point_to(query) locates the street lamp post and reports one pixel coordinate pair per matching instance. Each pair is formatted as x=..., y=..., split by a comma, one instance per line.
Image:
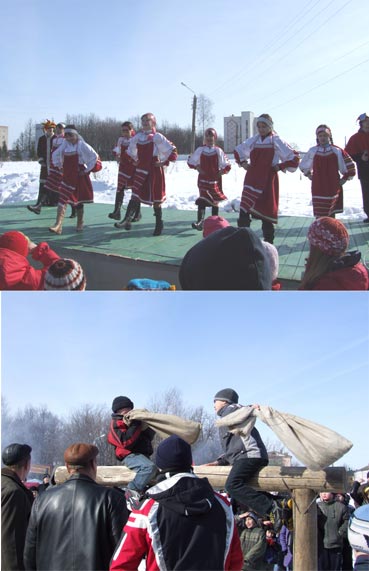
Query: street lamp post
x=194, y=104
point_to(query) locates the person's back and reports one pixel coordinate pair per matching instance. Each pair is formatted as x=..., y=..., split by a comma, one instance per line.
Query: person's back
x=183, y=524
x=16, y=504
x=75, y=526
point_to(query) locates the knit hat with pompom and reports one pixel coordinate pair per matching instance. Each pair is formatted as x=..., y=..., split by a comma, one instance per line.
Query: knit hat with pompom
x=329, y=235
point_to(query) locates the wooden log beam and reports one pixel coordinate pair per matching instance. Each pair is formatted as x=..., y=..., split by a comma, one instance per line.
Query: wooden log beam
x=269, y=479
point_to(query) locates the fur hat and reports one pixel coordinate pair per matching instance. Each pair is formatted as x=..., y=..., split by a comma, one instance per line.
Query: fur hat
x=174, y=455
x=65, y=274
x=228, y=395
x=47, y=124
x=15, y=453
x=121, y=402
x=358, y=531
x=329, y=235
x=213, y=223
x=15, y=241
x=80, y=454
x=230, y=259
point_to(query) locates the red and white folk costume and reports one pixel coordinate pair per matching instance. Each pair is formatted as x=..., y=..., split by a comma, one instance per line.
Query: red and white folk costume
x=126, y=167
x=260, y=195
x=323, y=164
x=211, y=162
x=147, y=150
x=55, y=175
x=77, y=160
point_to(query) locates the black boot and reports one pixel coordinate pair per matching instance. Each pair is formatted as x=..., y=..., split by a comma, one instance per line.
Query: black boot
x=200, y=219
x=268, y=231
x=244, y=220
x=115, y=215
x=126, y=223
x=137, y=217
x=41, y=200
x=74, y=211
x=215, y=210
x=159, y=222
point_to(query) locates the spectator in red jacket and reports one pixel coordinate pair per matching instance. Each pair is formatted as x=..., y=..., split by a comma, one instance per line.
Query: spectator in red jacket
x=183, y=523
x=329, y=265
x=16, y=273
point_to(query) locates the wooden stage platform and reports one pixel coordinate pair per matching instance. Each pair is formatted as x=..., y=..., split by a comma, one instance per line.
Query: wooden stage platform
x=112, y=257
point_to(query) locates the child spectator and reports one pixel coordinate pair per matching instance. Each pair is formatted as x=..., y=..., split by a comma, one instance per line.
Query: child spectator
x=329, y=266
x=133, y=446
x=262, y=156
x=286, y=541
x=65, y=274
x=125, y=173
x=332, y=528
x=253, y=542
x=16, y=273
x=211, y=163
x=273, y=550
x=212, y=224
x=358, y=148
x=323, y=165
x=229, y=259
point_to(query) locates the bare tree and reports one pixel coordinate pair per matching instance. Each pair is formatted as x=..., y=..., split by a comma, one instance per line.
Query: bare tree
x=207, y=447
x=204, y=115
x=90, y=424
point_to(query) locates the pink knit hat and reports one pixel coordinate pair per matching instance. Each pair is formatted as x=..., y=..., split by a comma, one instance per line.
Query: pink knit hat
x=15, y=241
x=329, y=235
x=212, y=224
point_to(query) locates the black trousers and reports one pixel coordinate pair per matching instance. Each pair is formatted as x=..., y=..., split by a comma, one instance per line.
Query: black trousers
x=365, y=192
x=237, y=485
x=330, y=559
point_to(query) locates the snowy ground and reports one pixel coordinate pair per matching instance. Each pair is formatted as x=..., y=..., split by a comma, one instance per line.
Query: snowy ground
x=19, y=182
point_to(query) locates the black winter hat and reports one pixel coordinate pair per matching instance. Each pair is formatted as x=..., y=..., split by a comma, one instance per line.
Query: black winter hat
x=228, y=395
x=228, y=259
x=121, y=402
x=15, y=453
x=174, y=455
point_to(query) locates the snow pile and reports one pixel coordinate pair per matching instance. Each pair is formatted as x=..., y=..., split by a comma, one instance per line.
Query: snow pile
x=19, y=183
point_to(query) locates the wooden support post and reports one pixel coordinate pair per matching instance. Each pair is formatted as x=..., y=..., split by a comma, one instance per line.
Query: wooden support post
x=305, y=542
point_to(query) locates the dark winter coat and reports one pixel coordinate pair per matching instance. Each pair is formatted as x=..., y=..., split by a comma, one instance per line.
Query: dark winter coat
x=357, y=144
x=347, y=273
x=75, y=526
x=253, y=544
x=16, y=504
x=183, y=525
x=332, y=524
x=236, y=446
x=127, y=439
x=16, y=273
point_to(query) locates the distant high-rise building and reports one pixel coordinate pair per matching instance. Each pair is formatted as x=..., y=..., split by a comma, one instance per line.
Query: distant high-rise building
x=4, y=136
x=238, y=129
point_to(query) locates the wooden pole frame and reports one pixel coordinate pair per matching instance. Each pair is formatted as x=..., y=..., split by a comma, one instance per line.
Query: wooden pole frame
x=301, y=483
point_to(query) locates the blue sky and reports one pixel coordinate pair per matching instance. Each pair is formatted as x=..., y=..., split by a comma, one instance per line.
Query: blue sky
x=306, y=354
x=305, y=63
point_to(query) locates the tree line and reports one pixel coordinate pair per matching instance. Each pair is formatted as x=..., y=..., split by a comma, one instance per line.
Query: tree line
x=102, y=134
x=50, y=434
